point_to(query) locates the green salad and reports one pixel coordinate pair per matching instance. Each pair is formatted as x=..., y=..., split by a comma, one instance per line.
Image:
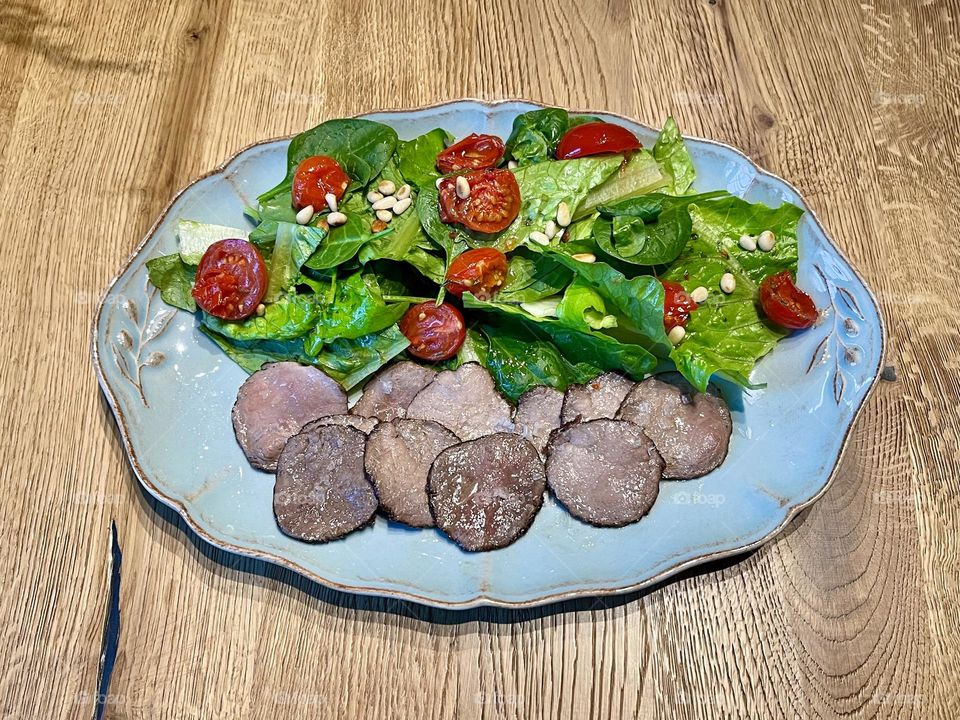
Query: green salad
x=564, y=251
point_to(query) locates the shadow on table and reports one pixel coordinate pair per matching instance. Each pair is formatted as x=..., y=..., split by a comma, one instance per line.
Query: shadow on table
x=250, y=569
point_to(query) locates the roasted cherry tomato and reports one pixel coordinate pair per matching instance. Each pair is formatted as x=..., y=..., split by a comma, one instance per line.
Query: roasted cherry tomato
x=435, y=332
x=314, y=178
x=231, y=279
x=474, y=152
x=596, y=138
x=481, y=271
x=786, y=304
x=677, y=305
x=493, y=203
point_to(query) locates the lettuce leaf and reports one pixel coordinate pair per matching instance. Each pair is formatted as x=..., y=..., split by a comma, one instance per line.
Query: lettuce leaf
x=727, y=334
x=293, y=246
x=356, y=309
x=417, y=158
x=174, y=279
x=292, y=316
x=673, y=157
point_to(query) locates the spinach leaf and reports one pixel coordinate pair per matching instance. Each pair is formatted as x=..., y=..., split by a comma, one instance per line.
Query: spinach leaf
x=292, y=316
x=640, y=175
x=535, y=134
x=357, y=309
x=350, y=361
x=430, y=266
x=405, y=234
x=674, y=159
x=452, y=239
x=252, y=354
x=174, y=279
x=532, y=276
x=577, y=345
x=344, y=241
x=362, y=147
x=417, y=158
x=727, y=333
x=519, y=360
x=294, y=244
x=647, y=230
x=583, y=307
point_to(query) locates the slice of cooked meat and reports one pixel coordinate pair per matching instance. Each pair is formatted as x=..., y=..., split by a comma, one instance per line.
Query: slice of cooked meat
x=464, y=400
x=275, y=402
x=599, y=398
x=605, y=472
x=398, y=459
x=322, y=492
x=690, y=429
x=485, y=493
x=538, y=414
x=357, y=422
x=391, y=391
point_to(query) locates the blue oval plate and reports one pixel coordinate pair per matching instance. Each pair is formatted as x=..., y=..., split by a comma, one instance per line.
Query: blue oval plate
x=171, y=391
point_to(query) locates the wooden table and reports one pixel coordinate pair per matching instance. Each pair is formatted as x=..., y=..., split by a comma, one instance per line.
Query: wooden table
x=107, y=108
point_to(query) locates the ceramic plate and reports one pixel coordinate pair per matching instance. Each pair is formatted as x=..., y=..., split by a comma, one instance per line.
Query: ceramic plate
x=171, y=391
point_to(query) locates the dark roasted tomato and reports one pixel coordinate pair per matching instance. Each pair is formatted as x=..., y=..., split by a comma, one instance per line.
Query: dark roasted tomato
x=596, y=138
x=231, y=279
x=314, y=178
x=435, y=332
x=677, y=305
x=474, y=152
x=481, y=271
x=493, y=203
x=786, y=304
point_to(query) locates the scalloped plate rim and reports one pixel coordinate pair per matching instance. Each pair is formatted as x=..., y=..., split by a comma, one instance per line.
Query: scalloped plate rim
x=480, y=599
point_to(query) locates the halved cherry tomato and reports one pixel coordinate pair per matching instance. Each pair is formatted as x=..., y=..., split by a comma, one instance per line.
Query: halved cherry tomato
x=435, y=332
x=314, y=178
x=493, y=203
x=481, y=271
x=786, y=304
x=231, y=279
x=677, y=305
x=596, y=138
x=474, y=152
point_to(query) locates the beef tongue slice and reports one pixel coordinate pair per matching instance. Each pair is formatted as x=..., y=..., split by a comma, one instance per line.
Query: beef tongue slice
x=464, y=400
x=599, y=398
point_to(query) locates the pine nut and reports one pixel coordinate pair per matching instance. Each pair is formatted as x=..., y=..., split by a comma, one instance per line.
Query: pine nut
x=539, y=237
x=728, y=283
x=559, y=236
x=676, y=335
x=261, y=309
x=305, y=215
x=336, y=218
x=699, y=295
x=331, y=201
x=550, y=229
x=563, y=215
x=403, y=192
x=584, y=257
x=387, y=187
x=463, y=188
x=439, y=182
x=766, y=241
x=748, y=243
x=385, y=204
x=401, y=206
x=373, y=196
x=384, y=216
x=512, y=165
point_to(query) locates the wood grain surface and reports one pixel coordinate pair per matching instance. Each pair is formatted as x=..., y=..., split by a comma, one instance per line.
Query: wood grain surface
x=107, y=108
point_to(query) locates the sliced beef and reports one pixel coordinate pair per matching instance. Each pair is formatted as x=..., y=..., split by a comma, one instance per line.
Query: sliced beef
x=322, y=492
x=464, y=400
x=538, y=414
x=605, y=472
x=398, y=459
x=690, y=429
x=599, y=398
x=391, y=391
x=485, y=493
x=275, y=402
x=357, y=422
